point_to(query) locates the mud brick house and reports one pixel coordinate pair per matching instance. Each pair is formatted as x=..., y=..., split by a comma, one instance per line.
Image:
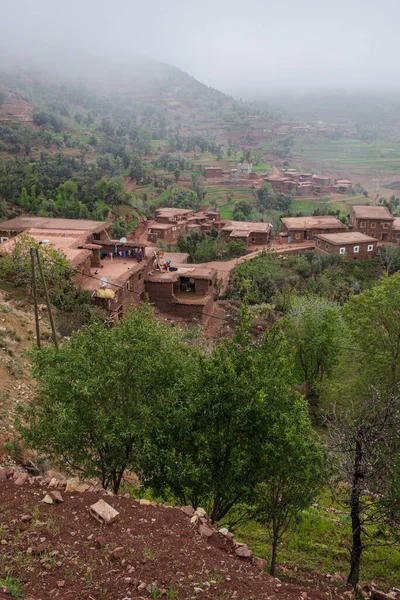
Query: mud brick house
x=166, y=232
x=281, y=184
x=212, y=172
x=321, y=185
x=244, y=168
x=173, y=215
x=78, y=240
x=396, y=231
x=372, y=220
x=249, y=233
x=352, y=245
x=298, y=229
x=107, y=268
x=188, y=292
x=341, y=186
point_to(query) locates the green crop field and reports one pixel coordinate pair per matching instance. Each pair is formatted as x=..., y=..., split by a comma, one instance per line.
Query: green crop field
x=344, y=153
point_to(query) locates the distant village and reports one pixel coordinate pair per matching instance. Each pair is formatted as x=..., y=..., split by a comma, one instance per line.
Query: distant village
x=118, y=273
x=291, y=181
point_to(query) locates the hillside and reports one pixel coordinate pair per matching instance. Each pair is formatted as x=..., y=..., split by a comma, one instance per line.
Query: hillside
x=59, y=550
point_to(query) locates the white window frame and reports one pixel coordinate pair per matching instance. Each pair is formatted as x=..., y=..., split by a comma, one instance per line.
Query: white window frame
x=356, y=249
x=3, y=239
x=342, y=250
x=174, y=229
x=370, y=247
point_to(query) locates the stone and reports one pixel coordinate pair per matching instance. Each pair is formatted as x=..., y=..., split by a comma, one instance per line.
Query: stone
x=200, y=512
x=205, y=531
x=53, y=482
x=118, y=552
x=243, y=551
x=74, y=485
x=103, y=512
x=61, y=583
x=144, y=502
x=4, y=542
x=260, y=563
x=57, y=497
x=38, y=550
x=21, y=479
x=224, y=531
x=4, y=473
x=194, y=519
x=142, y=586
x=379, y=595
x=48, y=499
x=188, y=510
x=100, y=541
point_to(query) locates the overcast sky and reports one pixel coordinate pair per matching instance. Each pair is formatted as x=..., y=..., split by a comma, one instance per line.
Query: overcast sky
x=234, y=45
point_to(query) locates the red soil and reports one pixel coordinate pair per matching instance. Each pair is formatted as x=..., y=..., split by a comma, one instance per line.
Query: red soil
x=64, y=553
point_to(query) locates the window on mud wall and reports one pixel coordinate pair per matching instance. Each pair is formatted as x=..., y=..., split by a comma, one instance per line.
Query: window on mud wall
x=362, y=224
x=342, y=251
x=96, y=236
x=356, y=249
x=370, y=247
x=385, y=225
x=373, y=225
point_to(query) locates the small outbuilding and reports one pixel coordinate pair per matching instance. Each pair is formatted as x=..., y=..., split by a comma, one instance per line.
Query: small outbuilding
x=352, y=245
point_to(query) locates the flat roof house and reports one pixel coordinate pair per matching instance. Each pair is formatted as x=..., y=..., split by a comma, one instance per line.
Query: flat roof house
x=168, y=215
x=250, y=233
x=352, y=245
x=299, y=229
x=372, y=220
x=187, y=292
x=396, y=231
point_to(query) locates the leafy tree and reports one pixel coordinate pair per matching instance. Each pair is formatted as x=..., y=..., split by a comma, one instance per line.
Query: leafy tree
x=373, y=358
x=314, y=327
x=99, y=394
x=215, y=445
x=177, y=174
x=295, y=475
x=364, y=440
x=389, y=255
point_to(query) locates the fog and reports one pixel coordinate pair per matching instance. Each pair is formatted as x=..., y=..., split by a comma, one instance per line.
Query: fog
x=238, y=47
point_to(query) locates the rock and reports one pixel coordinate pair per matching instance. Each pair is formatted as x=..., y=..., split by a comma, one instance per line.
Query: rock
x=38, y=550
x=200, y=512
x=26, y=518
x=188, y=510
x=224, y=531
x=118, y=552
x=379, y=595
x=144, y=502
x=243, y=551
x=48, y=499
x=3, y=542
x=5, y=473
x=56, y=495
x=194, y=519
x=22, y=478
x=260, y=563
x=103, y=512
x=61, y=583
x=53, y=482
x=141, y=586
x=100, y=541
x=205, y=531
x=73, y=485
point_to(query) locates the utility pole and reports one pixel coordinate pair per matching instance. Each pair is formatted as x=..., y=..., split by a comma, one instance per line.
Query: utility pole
x=46, y=293
x=35, y=297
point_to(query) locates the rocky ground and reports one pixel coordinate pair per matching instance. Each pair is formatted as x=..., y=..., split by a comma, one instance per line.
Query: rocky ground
x=51, y=546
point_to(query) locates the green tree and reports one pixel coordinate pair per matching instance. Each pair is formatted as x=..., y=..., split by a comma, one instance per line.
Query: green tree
x=98, y=395
x=214, y=447
x=314, y=327
x=177, y=174
x=295, y=474
x=389, y=255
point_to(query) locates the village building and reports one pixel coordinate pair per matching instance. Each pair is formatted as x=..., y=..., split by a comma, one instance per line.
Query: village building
x=111, y=270
x=249, y=233
x=321, y=185
x=372, y=220
x=165, y=232
x=173, y=215
x=352, y=245
x=281, y=184
x=187, y=292
x=341, y=186
x=299, y=229
x=212, y=172
x=244, y=168
x=396, y=231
